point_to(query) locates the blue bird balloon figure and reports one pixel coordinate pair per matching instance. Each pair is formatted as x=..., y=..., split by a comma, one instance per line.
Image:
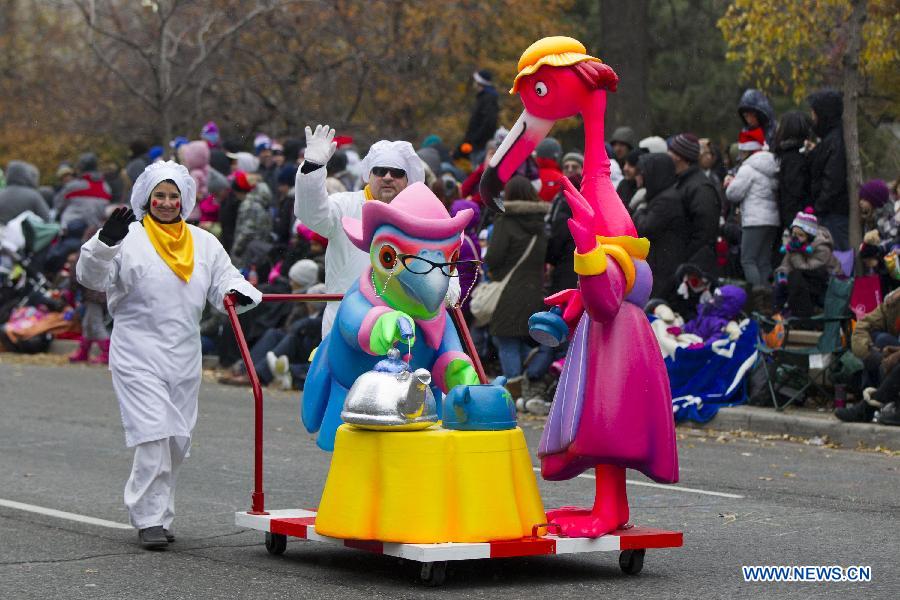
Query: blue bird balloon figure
x=413, y=244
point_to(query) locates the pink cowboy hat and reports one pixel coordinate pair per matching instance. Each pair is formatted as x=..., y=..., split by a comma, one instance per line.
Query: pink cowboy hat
x=416, y=211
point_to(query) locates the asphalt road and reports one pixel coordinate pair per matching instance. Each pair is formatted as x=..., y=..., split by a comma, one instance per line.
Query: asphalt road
x=61, y=447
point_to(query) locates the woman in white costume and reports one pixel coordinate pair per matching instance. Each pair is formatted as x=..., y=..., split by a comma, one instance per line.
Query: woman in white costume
x=158, y=273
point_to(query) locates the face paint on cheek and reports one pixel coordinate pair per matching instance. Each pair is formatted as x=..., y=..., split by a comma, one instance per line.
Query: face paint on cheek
x=155, y=203
x=178, y=205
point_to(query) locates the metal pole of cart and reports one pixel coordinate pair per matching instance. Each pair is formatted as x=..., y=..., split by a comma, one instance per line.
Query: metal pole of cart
x=257, y=503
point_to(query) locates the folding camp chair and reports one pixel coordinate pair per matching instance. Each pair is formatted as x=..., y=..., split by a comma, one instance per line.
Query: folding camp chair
x=789, y=370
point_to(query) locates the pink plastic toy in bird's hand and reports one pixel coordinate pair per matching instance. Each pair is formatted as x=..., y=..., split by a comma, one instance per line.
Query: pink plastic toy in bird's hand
x=613, y=407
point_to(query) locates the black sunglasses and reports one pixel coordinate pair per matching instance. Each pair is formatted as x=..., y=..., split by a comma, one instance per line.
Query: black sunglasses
x=382, y=171
x=423, y=266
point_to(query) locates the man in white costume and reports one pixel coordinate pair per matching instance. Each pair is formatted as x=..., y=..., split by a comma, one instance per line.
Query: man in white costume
x=387, y=168
x=158, y=273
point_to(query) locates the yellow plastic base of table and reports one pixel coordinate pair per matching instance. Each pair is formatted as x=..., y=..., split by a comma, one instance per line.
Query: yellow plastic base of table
x=431, y=486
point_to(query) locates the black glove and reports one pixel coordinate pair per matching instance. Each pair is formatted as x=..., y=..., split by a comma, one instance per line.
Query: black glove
x=240, y=298
x=116, y=227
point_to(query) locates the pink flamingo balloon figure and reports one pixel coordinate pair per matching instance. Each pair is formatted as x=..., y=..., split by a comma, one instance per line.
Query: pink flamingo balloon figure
x=613, y=407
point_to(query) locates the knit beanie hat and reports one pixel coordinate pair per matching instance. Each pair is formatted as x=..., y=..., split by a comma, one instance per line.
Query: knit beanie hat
x=634, y=156
x=261, y=142
x=687, y=146
x=178, y=142
x=210, y=133
x=304, y=273
x=875, y=192
x=654, y=143
x=549, y=148
x=574, y=157
x=752, y=140
x=807, y=222
x=483, y=77
x=624, y=135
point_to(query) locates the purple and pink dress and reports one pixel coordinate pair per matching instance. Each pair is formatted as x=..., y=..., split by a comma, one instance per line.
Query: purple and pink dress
x=613, y=404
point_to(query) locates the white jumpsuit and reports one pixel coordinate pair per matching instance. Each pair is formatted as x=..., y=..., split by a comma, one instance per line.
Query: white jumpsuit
x=155, y=355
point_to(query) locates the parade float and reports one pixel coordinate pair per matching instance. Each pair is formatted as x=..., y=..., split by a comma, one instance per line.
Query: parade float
x=428, y=462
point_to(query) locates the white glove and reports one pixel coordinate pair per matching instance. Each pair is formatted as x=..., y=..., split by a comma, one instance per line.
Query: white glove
x=320, y=145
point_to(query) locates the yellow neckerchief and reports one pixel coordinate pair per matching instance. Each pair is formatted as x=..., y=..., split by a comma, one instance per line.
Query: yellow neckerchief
x=174, y=244
x=368, y=193
x=624, y=249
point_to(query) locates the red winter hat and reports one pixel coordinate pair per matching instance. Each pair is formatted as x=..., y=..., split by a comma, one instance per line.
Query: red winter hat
x=241, y=182
x=343, y=140
x=752, y=139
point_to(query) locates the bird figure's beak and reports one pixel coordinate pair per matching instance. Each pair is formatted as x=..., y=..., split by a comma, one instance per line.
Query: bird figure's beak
x=429, y=290
x=520, y=142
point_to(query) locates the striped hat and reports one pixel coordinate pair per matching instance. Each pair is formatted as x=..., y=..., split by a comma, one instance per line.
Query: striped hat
x=687, y=146
x=807, y=222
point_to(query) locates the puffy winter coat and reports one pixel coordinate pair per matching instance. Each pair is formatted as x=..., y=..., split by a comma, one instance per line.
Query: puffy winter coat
x=828, y=160
x=524, y=293
x=793, y=180
x=702, y=208
x=755, y=188
x=20, y=193
x=84, y=198
x=663, y=222
x=822, y=256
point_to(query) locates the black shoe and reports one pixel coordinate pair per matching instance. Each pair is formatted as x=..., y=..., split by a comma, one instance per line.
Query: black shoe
x=890, y=414
x=856, y=413
x=170, y=535
x=153, y=538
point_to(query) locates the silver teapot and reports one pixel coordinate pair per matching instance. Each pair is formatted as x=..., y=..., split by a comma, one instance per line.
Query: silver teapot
x=391, y=397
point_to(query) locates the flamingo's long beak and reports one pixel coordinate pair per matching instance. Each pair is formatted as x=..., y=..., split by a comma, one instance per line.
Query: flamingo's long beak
x=520, y=142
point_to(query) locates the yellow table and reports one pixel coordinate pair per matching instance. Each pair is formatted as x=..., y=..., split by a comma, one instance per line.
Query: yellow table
x=429, y=486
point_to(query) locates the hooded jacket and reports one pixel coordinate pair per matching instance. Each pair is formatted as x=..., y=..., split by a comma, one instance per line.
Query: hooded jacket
x=755, y=188
x=663, y=221
x=756, y=101
x=524, y=293
x=828, y=160
x=20, y=193
x=822, y=256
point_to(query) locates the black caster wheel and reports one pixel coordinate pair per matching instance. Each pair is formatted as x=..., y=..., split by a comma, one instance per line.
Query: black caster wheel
x=631, y=561
x=433, y=573
x=276, y=543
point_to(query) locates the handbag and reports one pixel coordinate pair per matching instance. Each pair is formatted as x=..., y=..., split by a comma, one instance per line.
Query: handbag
x=487, y=294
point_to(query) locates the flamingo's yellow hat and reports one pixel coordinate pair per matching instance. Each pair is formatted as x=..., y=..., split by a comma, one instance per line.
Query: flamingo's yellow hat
x=556, y=51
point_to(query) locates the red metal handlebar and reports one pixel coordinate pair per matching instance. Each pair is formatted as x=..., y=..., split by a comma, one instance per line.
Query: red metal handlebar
x=257, y=497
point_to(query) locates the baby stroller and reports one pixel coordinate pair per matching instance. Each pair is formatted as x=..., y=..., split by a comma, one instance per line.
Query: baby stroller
x=30, y=309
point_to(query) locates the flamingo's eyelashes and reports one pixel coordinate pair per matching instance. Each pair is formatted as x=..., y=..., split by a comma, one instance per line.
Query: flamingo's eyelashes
x=540, y=88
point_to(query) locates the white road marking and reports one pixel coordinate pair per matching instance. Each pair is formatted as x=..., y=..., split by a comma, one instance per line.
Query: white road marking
x=61, y=514
x=664, y=486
